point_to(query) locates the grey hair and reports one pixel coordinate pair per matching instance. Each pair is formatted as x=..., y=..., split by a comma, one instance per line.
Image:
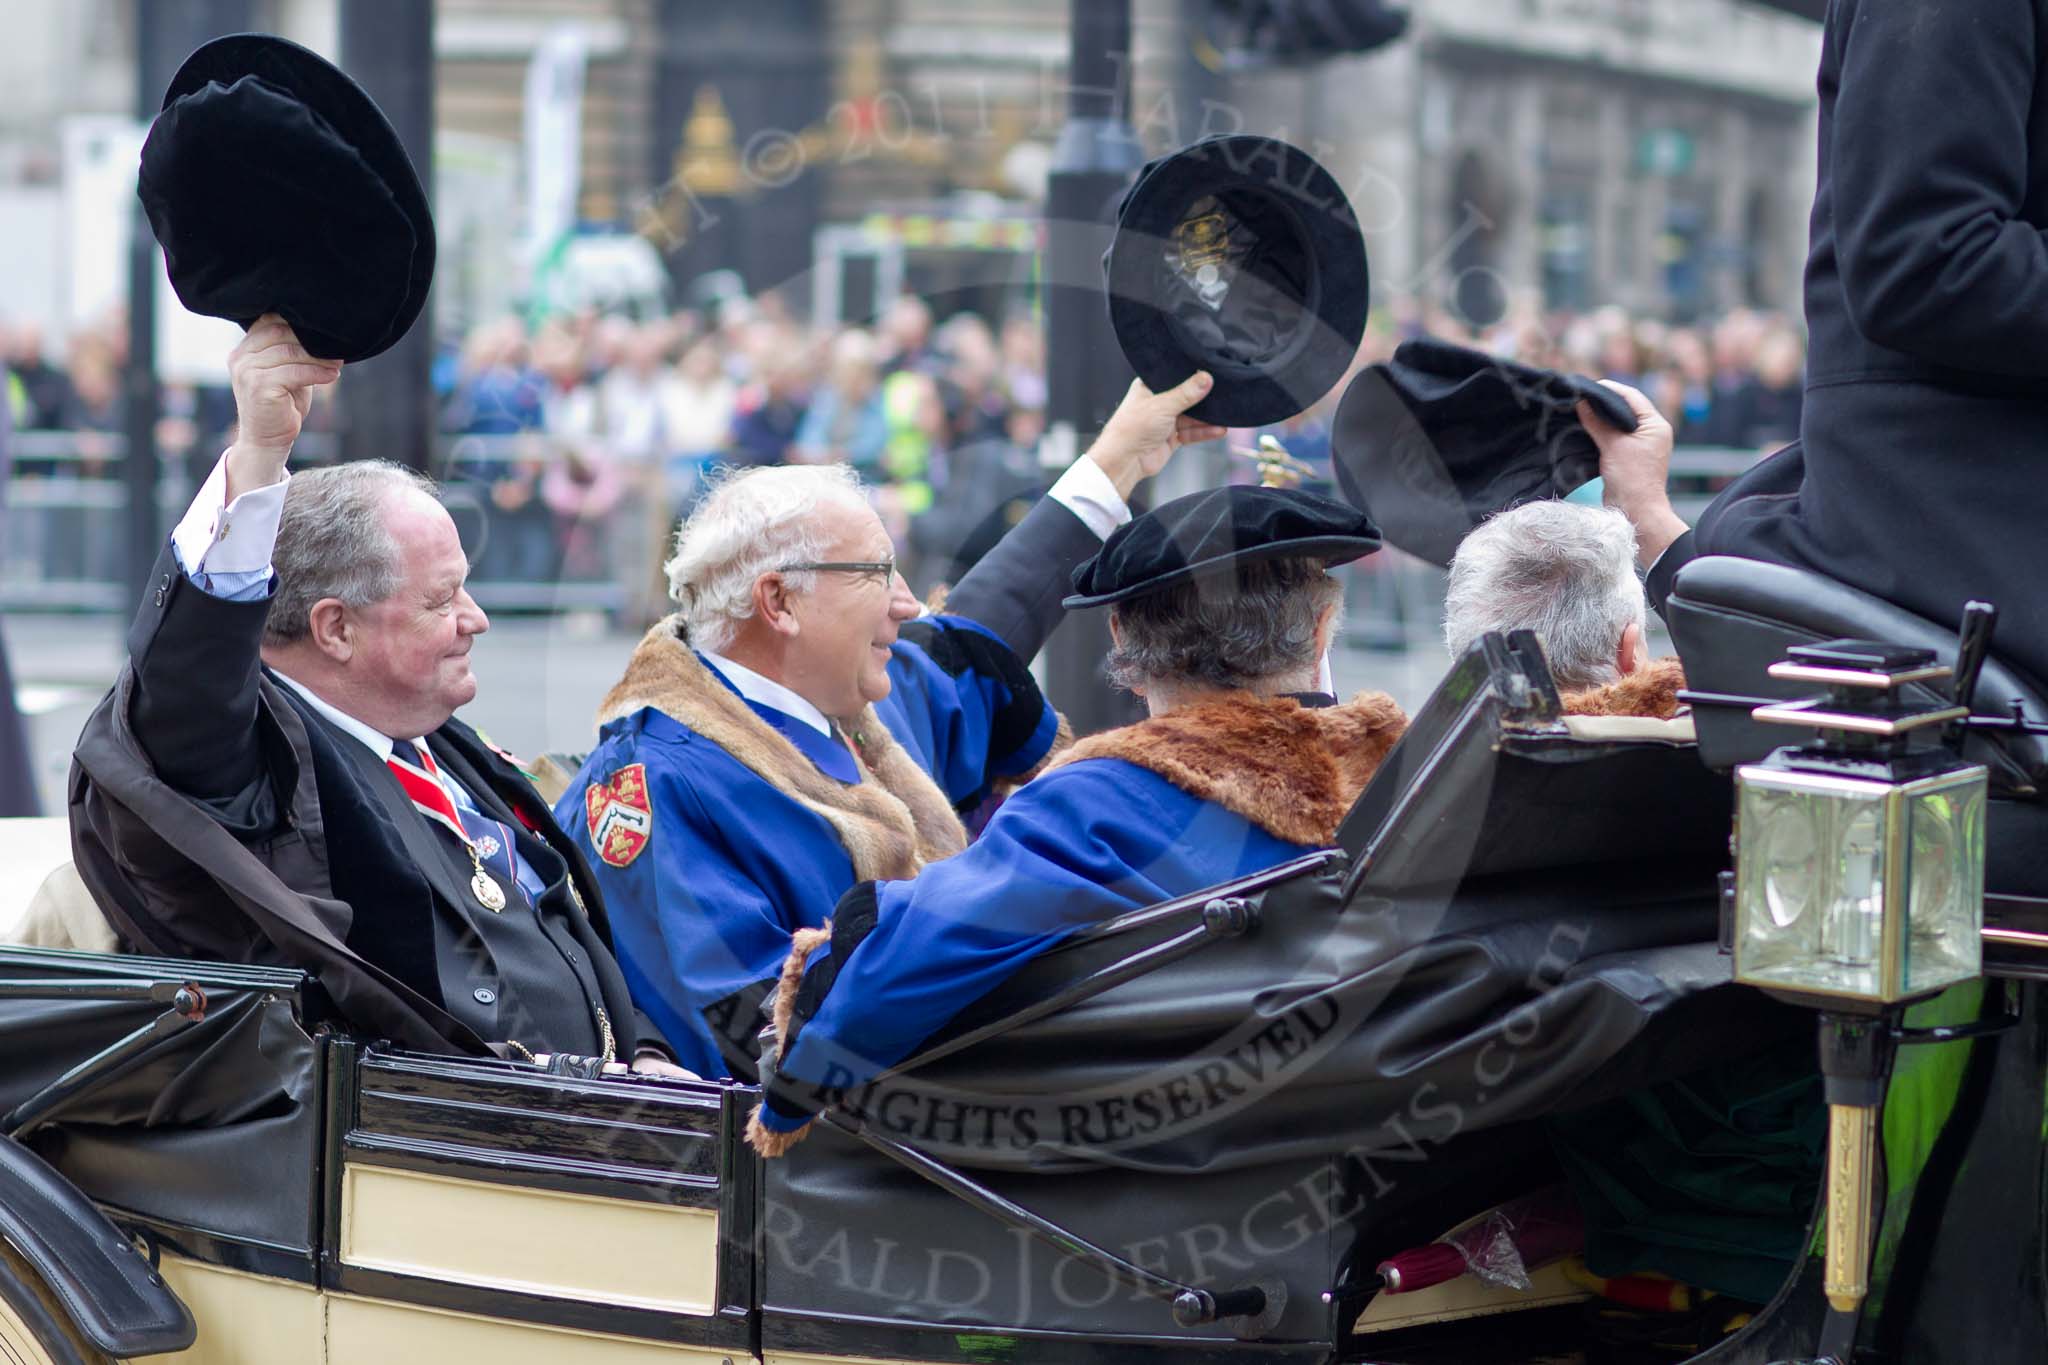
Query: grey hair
x=332, y=541
x=752, y=522
x=1565, y=570
x=1228, y=635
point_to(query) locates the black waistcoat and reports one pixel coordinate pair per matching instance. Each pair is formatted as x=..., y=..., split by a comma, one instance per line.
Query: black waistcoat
x=408, y=884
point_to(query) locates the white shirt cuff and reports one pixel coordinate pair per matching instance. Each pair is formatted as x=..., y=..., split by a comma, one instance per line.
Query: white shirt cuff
x=1087, y=492
x=235, y=538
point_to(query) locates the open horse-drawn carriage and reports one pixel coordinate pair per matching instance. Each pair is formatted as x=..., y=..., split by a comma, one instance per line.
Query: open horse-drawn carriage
x=1196, y=1133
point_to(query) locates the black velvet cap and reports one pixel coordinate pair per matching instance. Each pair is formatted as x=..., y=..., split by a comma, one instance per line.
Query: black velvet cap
x=275, y=184
x=1442, y=437
x=1240, y=256
x=1212, y=532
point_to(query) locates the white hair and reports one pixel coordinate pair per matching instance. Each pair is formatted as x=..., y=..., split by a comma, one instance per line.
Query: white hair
x=754, y=521
x=1561, y=569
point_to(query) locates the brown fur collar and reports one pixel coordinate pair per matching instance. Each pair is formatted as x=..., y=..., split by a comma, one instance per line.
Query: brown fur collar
x=894, y=822
x=1651, y=691
x=1290, y=769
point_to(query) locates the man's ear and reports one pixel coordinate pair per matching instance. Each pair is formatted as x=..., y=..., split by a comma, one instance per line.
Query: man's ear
x=1630, y=654
x=775, y=605
x=332, y=632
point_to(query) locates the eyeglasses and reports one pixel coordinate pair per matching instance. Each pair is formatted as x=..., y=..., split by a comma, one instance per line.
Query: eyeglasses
x=880, y=571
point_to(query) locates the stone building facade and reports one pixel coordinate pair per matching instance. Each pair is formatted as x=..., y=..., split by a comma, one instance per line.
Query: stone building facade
x=1657, y=154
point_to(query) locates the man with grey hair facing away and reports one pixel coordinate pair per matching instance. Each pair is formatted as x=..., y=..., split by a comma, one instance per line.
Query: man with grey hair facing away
x=1565, y=571
x=1221, y=608
x=278, y=775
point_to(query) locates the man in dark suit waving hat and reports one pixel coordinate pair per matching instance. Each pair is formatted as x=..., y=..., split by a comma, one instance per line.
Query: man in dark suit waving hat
x=277, y=775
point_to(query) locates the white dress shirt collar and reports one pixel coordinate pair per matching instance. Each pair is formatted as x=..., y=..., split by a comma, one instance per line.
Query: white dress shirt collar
x=372, y=739
x=767, y=692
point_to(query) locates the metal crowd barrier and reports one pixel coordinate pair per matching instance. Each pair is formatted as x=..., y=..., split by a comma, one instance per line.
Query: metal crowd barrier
x=65, y=530
x=64, y=543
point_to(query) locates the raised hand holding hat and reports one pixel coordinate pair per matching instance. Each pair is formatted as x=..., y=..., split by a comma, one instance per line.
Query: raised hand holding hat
x=273, y=377
x=1147, y=428
x=1635, y=470
x=1441, y=437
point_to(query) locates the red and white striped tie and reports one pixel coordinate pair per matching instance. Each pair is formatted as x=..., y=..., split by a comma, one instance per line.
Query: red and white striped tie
x=430, y=796
x=421, y=778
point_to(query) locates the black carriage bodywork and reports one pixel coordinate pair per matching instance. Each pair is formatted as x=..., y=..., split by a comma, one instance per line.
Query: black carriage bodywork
x=230, y=1142
x=1521, y=920
x=1492, y=955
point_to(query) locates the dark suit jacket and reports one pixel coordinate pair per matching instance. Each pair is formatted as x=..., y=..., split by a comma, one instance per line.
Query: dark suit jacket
x=215, y=815
x=1921, y=472
x=1016, y=588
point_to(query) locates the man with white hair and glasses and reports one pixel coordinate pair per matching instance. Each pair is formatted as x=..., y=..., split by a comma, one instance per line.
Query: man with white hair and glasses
x=799, y=725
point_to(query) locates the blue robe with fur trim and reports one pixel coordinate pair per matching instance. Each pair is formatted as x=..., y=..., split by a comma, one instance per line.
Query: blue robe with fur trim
x=1159, y=810
x=708, y=864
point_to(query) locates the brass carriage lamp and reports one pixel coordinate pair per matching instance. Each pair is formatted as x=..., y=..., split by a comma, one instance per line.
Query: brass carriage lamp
x=1859, y=875
x=1859, y=885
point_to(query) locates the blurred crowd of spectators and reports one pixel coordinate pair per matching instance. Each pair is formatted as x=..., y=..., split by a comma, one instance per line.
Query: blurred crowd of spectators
x=619, y=425
x=82, y=394
x=579, y=440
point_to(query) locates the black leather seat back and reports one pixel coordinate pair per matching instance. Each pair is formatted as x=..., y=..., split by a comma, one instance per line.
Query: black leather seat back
x=1518, y=921
x=214, y=1128
x=1733, y=618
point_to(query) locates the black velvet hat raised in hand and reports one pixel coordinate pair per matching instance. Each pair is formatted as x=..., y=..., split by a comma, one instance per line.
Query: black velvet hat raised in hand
x=1240, y=256
x=1212, y=532
x=1442, y=437
x=275, y=184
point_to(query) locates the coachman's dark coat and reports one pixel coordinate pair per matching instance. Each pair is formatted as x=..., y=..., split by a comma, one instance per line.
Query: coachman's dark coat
x=298, y=862
x=1921, y=473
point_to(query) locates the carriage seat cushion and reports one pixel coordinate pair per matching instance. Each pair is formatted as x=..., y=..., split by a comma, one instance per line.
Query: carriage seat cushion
x=43, y=902
x=63, y=914
x=1733, y=618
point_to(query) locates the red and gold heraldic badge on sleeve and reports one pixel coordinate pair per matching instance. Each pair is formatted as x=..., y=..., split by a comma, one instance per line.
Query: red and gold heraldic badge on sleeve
x=620, y=815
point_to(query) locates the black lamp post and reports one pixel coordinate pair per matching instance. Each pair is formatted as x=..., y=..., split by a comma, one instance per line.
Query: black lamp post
x=387, y=404
x=1085, y=371
x=166, y=31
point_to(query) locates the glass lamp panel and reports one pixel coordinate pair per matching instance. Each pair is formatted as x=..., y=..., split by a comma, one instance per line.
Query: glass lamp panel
x=1945, y=868
x=1810, y=884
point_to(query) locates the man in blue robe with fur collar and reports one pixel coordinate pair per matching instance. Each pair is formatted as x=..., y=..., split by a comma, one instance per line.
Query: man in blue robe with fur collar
x=1222, y=610
x=800, y=725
